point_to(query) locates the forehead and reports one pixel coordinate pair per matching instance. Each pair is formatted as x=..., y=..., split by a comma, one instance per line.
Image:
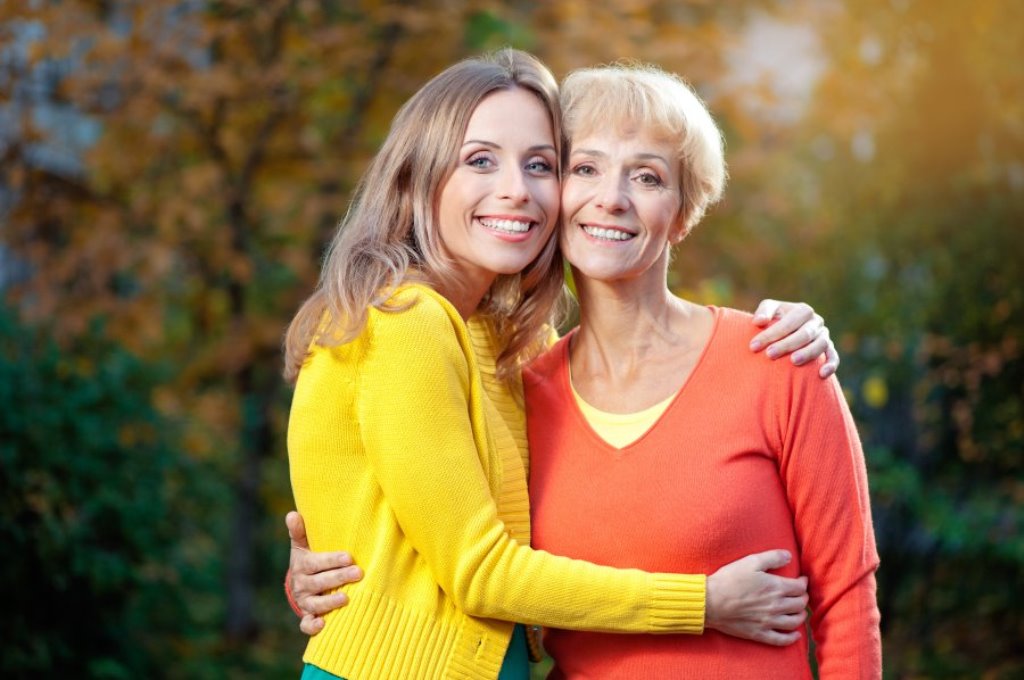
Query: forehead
x=627, y=141
x=514, y=114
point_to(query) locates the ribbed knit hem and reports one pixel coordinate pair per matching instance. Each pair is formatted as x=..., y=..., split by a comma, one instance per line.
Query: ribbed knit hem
x=375, y=637
x=678, y=604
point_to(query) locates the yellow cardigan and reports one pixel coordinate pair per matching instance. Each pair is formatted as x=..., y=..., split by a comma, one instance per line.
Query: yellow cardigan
x=399, y=455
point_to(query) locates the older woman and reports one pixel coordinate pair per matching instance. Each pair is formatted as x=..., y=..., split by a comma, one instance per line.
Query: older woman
x=398, y=444
x=650, y=411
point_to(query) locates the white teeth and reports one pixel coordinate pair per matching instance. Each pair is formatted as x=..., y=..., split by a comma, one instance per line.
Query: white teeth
x=610, y=234
x=509, y=226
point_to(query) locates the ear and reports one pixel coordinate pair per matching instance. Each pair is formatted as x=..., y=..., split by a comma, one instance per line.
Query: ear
x=679, y=230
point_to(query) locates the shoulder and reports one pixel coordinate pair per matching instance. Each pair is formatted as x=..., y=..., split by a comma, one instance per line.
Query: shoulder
x=729, y=346
x=417, y=310
x=734, y=325
x=731, y=356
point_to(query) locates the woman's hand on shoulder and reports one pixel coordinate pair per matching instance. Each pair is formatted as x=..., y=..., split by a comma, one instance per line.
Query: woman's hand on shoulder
x=312, y=574
x=745, y=601
x=794, y=328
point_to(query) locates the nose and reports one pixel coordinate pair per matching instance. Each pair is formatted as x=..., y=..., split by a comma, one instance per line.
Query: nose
x=611, y=194
x=512, y=186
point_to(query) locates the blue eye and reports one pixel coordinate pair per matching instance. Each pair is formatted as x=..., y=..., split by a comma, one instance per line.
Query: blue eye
x=480, y=162
x=539, y=167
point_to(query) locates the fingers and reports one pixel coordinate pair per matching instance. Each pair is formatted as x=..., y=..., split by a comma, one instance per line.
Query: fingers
x=831, y=364
x=791, y=606
x=309, y=589
x=768, y=560
x=803, y=338
x=311, y=625
x=776, y=638
x=325, y=581
x=309, y=563
x=765, y=312
x=319, y=605
x=796, y=318
x=812, y=350
x=296, y=530
x=788, y=587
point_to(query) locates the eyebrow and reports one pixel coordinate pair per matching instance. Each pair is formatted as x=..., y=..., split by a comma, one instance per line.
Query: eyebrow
x=533, y=149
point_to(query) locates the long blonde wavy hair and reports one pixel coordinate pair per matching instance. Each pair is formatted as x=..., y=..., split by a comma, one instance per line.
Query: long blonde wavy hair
x=390, y=234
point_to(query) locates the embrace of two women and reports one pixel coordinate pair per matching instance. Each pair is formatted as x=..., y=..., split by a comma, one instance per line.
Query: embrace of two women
x=662, y=500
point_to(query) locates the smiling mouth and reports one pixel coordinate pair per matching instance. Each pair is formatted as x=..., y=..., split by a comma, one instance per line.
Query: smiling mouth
x=507, y=226
x=607, y=234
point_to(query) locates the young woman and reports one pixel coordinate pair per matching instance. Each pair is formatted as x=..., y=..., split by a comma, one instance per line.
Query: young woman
x=403, y=436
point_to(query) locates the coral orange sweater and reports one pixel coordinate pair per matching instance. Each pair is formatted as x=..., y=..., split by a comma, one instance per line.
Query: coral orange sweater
x=751, y=455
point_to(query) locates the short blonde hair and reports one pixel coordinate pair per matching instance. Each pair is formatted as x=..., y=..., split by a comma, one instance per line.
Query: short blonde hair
x=391, y=235
x=630, y=96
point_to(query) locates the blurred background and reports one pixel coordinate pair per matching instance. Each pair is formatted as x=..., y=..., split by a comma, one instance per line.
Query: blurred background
x=171, y=170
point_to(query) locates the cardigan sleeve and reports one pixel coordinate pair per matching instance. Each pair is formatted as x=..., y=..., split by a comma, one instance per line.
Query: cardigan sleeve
x=417, y=423
x=823, y=470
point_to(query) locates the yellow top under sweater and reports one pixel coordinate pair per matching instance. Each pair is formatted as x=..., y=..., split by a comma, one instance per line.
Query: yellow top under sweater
x=398, y=455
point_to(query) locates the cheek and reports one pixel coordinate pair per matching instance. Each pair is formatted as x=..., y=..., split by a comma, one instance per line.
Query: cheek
x=572, y=199
x=666, y=216
x=548, y=195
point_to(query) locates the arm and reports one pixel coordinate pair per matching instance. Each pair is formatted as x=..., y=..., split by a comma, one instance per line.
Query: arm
x=743, y=599
x=823, y=471
x=799, y=331
x=442, y=498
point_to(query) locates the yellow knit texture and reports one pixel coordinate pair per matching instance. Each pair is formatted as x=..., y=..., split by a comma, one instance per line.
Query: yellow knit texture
x=400, y=455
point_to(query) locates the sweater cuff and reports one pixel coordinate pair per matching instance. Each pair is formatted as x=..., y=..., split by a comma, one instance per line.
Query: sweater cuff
x=291, y=598
x=678, y=603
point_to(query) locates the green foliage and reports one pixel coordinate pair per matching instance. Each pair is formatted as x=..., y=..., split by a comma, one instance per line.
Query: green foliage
x=89, y=488
x=488, y=31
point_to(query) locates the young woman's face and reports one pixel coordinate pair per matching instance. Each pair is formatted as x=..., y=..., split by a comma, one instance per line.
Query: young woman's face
x=621, y=204
x=500, y=205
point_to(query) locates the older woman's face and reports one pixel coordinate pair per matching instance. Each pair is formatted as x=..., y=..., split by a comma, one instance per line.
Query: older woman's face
x=500, y=205
x=621, y=203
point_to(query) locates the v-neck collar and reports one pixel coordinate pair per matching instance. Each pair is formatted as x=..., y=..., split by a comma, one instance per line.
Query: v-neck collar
x=581, y=420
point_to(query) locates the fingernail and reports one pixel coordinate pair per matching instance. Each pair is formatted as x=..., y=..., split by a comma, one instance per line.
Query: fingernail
x=772, y=352
x=798, y=358
x=755, y=345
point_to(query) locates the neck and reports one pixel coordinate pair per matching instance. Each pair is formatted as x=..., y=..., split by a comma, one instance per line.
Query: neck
x=623, y=311
x=624, y=324
x=465, y=295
